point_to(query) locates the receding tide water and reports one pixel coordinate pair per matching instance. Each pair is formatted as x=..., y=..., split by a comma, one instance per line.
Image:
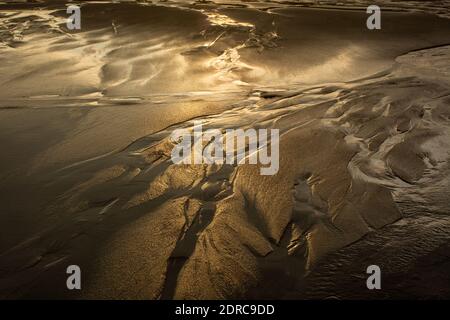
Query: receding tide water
x=86, y=176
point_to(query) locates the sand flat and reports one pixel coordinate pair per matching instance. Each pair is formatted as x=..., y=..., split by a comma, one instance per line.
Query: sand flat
x=87, y=177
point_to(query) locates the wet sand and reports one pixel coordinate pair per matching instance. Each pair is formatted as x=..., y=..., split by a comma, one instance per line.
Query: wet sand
x=87, y=179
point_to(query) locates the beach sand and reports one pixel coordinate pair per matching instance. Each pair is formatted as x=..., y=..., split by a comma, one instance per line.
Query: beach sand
x=87, y=179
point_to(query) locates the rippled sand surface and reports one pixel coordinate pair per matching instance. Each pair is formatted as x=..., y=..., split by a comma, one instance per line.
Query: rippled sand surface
x=86, y=176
